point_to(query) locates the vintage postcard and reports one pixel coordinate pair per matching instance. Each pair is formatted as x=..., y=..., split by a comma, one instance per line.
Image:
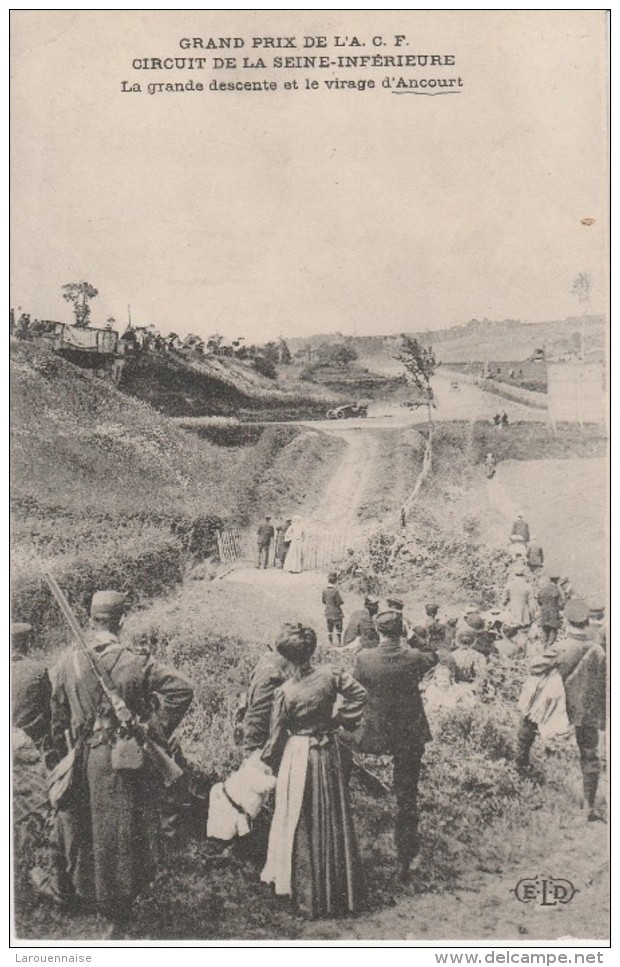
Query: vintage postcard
x=308, y=345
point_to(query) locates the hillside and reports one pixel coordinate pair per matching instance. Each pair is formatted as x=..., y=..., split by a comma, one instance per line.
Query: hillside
x=508, y=339
x=194, y=385
x=107, y=490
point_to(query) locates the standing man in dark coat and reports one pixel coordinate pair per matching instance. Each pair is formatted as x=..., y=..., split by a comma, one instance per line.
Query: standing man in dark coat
x=267, y=676
x=581, y=664
x=104, y=832
x=332, y=602
x=30, y=687
x=395, y=723
x=535, y=556
x=264, y=534
x=520, y=530
x=551, y=601
x=361, y=626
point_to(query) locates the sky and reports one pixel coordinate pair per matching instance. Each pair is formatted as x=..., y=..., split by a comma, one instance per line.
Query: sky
x=299, y=212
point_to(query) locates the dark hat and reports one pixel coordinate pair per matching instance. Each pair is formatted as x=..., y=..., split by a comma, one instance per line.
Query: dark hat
x=389, y=621
x=107, y=604
x=20, y=629
x=431, y=609
x=554, y=575
x=395, y=604
x=576, y=611
x=597, y=611
x=466, y=639
x=475, y=621
x=296, y=643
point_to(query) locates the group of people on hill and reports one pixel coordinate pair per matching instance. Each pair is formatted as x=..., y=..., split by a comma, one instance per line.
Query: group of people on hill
x=281, y=545
x=304, y=729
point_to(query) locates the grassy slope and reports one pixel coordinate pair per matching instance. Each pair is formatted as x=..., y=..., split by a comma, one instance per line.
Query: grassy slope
x=108, y=490
x=477, y=817
x=480, y=824
x=184, y=385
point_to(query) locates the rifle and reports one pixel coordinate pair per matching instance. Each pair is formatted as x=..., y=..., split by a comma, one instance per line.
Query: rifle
x=163, y=764
x=369, y=780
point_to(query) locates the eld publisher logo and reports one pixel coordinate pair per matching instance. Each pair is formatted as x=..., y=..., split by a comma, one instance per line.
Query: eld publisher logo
x=547, y=891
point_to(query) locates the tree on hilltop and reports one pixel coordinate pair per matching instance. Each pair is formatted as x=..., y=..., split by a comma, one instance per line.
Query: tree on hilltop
x=80, y=294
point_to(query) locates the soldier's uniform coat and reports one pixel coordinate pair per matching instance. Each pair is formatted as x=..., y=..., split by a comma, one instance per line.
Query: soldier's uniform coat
x=105, y=832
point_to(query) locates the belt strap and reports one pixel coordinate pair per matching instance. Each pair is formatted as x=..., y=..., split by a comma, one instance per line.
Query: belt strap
x=236, y=805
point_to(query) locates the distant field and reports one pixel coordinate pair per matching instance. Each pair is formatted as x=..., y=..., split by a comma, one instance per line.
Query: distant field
x=525, y=374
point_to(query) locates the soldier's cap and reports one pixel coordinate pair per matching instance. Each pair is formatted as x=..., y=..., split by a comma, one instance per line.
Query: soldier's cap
x=554, y=575
x=332, y=577
x=389, y=621
x=371, y=599
x=431, y=608
x=519, y=570
x=466, y=638
x=597, y=611
x=576, y=611
x=19, y=629
x=394, y=604
x=106, y=603
x=476, y=622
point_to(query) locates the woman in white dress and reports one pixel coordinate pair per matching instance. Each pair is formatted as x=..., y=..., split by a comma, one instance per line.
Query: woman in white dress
x=296, y=535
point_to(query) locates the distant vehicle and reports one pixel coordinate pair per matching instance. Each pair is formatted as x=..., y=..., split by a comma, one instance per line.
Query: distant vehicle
x=348, y=410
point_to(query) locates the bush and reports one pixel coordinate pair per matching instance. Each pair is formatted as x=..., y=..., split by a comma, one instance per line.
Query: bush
x=265, y=367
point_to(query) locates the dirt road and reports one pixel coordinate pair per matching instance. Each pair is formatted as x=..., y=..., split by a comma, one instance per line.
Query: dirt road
x=565, y=505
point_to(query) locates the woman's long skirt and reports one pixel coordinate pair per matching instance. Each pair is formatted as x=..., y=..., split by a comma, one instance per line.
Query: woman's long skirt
x=294, y=561
x=313, y=854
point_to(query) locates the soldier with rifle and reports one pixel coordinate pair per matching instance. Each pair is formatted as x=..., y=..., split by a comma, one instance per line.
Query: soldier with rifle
x=113, y=711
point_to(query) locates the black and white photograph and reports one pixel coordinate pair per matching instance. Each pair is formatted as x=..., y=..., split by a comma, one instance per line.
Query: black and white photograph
x=309, y=379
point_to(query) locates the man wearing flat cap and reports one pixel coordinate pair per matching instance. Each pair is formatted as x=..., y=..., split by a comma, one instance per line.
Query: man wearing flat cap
x=394, y=721
x=104, y=833
x=30, y=687
x=264, y=534
x=361, y=626
x=580, y=663
x=551, y=602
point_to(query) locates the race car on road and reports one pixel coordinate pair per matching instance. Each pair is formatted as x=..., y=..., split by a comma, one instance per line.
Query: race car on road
x=348, y=410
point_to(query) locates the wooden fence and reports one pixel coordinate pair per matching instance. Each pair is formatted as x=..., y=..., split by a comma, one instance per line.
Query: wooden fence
x=325, y=548
x=321, y=548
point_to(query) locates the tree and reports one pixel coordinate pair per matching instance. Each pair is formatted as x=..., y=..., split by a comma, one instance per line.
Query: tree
x=285, y=353
x=342, y=355
x=420, y=364
x=336, y=354
x=80, y=294
x=265, y=366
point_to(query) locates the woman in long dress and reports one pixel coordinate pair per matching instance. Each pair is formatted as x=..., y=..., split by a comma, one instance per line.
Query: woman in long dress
x=313, y=855
x=295, y=536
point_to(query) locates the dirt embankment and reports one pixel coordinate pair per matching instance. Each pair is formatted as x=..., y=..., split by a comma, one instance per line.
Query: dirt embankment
x=81, y=453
